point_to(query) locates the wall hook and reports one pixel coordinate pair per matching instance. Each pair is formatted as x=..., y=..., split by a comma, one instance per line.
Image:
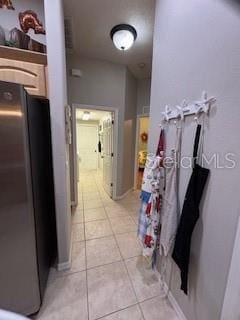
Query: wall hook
x=166, y=113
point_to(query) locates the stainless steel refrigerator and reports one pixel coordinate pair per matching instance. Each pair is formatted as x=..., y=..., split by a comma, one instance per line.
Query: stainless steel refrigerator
x=27, y=210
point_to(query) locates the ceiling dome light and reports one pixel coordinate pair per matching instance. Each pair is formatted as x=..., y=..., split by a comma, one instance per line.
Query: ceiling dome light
x=86, y=116
x=123, y=36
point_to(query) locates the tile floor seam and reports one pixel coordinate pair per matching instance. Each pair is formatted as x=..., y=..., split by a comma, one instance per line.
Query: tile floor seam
x=114, y=235
x=96, y=219
x=138, y=303
x=128, y=275
x=104, y=236
x=131, y=282
x=111, y=313
x=105, y=264
x=91, y=268
x=86, y=262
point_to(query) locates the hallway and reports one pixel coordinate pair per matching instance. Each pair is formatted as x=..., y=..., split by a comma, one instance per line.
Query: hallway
x=108, y=278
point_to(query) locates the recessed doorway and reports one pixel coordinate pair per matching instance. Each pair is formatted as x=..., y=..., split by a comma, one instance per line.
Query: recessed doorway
x=94, y=147
x=141, y=149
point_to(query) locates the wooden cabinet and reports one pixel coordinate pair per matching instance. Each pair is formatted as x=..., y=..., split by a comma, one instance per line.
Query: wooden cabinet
x=27, y=68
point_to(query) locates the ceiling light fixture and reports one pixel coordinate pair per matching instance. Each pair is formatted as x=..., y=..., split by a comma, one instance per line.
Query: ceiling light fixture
x=86, y=115
x=123, y=36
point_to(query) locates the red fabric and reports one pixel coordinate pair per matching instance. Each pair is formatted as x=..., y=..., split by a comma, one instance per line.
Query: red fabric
x=148, y=210
x=148, y=241
x=158, y=203
x=160, y=147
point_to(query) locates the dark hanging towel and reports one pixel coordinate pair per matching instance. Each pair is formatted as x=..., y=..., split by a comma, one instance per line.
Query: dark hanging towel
x=190, y=215
x=99, y=147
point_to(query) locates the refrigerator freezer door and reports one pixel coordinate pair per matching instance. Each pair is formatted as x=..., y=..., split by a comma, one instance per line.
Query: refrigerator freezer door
x=19, y=287
x=39, y=133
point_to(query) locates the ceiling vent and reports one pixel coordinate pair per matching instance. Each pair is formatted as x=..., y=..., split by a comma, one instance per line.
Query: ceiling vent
x=68, y=28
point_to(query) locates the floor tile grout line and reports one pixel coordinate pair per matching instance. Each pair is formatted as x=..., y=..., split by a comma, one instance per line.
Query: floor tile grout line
x=114, y=235
x=86, y=253
x=117, y=234
x=122, y=260
x=68, y=273
x=128, y=275
x=130, y=279
x=112, y=313
x=85, y=261
x=105, y=264
x=128, y=272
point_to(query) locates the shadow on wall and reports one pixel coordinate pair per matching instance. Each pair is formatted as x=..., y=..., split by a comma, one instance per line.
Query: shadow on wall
x=235, y=4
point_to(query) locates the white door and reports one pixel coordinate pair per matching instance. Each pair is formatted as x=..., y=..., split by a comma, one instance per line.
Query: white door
x=87, y=142
x=108, y=155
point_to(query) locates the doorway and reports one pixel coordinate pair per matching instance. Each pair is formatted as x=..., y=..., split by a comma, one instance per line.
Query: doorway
x=141, y=149
x=95, y=147
x=87, y=141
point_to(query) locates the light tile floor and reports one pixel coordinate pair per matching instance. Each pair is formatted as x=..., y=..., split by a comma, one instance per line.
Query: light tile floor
x=108, y=278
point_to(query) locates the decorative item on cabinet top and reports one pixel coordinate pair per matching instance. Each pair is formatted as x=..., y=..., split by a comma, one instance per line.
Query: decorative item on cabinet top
x=16, y=38
x=29, y=20
x=26, y=68
x=6, y=4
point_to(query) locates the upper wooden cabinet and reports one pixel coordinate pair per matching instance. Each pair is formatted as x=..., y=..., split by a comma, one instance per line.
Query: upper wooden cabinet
x=24, y=67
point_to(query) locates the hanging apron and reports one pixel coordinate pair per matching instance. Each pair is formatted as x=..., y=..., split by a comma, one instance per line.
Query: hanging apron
x=149, y=217
x=153, y=162
x=170, y=213
x=190, y=215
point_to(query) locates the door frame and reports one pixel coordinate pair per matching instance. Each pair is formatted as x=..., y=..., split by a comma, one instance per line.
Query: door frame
x=139, y=116
x=76, y=106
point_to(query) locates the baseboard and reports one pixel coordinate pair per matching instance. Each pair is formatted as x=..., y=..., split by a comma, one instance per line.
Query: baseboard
x=64, y=265
x=174, y=303
x=123, y=195
x=74, y=203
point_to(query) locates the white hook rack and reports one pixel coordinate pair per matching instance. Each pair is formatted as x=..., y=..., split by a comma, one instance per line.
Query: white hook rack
x=185, y=109
x=166, y=113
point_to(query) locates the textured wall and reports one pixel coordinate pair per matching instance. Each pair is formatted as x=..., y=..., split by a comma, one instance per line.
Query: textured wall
x=231, y=310
x=143, y=94
x=197, y=47
x=129, y=132
x=107, y=84
x=58, y=99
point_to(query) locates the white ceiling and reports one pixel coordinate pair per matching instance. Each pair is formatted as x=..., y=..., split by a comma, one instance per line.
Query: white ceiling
x=93, y=20
x=95, y=115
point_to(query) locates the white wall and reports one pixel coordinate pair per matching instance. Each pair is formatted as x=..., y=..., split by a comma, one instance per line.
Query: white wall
x=143, y=94
x=129, y=132
x=102, y=84
x=231, y=310
x=105, y=84
x=58, y=99
x=197, y=47
x=9, y=18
